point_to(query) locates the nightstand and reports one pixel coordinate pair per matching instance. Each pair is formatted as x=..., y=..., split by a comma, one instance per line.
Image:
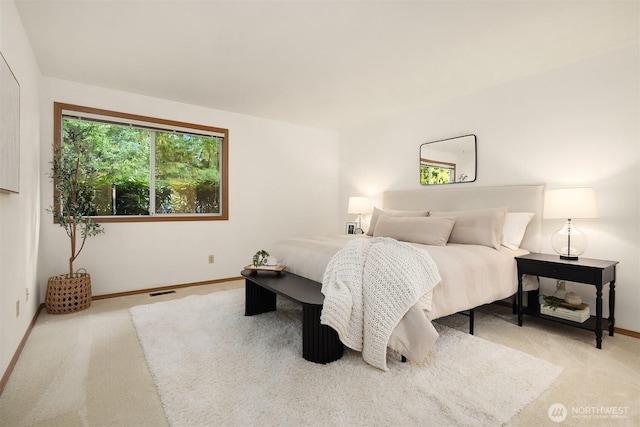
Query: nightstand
x=584, y=270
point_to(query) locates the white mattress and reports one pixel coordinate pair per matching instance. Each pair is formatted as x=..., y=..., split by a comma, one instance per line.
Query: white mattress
x=472, y=275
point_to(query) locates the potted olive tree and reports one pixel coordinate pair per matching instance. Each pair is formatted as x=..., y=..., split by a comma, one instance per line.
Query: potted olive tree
x=72, y=174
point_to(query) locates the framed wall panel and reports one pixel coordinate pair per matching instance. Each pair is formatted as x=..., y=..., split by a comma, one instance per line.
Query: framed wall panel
x=9, y=129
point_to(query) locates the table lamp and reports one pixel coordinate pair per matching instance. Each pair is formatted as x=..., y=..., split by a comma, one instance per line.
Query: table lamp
x=569, y=203
x=359, y=205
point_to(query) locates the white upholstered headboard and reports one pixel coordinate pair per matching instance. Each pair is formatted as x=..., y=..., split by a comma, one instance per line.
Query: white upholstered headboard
x=518, y=198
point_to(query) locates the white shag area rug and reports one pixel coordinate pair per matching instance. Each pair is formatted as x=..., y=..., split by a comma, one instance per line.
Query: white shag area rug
x=214, y=366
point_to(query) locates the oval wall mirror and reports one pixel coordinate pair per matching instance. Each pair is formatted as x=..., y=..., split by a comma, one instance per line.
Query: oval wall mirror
x=448, y=161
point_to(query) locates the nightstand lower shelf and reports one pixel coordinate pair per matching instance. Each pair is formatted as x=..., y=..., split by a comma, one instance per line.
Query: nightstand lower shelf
x=589, y=324
x=533, y=310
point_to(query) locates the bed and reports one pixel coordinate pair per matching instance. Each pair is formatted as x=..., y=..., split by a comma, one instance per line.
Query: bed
x=472, y=234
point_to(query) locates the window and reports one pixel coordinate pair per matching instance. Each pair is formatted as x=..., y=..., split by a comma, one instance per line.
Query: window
x=149, y=169
x=436, y=172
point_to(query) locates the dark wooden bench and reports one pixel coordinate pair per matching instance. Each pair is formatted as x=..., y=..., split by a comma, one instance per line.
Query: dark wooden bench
x=320, y=343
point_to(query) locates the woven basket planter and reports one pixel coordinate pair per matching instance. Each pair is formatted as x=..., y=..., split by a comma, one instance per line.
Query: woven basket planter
x=68, y=294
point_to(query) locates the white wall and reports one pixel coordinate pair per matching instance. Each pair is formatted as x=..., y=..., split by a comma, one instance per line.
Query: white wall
x=577, y=125
x=283, y=181
x=20, y=213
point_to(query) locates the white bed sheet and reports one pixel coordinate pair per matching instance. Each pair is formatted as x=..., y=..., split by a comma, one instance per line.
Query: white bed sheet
x=308, y=256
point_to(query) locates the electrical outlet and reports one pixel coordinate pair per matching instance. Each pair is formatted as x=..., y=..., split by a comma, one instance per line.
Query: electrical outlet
x=17, y=308
x=211, y=259
x=561, y=285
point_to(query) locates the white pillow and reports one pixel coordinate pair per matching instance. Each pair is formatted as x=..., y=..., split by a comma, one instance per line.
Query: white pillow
x=476, y=227
x=515, y=225
x=425, y=230
x=377, y=213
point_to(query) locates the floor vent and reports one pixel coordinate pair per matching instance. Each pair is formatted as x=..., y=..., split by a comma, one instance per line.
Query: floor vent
x=156, y=294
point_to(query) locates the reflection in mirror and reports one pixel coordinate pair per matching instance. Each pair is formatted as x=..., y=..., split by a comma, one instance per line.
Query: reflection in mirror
x=448, y=161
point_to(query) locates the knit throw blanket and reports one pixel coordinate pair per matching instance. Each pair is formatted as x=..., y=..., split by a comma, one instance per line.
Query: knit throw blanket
x=368, y=286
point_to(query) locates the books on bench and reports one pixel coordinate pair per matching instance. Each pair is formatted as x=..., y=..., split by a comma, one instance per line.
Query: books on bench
x=277, y=268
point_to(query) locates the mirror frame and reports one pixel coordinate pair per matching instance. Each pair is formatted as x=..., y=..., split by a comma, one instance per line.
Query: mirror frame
x=449, y=164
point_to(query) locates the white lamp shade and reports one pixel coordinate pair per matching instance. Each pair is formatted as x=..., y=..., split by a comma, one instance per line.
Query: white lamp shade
x=570, y=203
x=359, y=205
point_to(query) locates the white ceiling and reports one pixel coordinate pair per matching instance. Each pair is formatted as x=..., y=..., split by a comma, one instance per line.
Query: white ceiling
x=325, y=64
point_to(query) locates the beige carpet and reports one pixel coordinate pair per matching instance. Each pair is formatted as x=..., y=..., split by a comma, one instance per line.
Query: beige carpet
x=203, y=353
x=96, y=354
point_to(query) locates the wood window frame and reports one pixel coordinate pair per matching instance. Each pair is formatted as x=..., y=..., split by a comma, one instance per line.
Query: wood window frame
x=59, y=108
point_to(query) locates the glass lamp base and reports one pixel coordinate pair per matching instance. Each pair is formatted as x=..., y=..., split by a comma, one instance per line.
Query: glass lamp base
x=569, y=242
